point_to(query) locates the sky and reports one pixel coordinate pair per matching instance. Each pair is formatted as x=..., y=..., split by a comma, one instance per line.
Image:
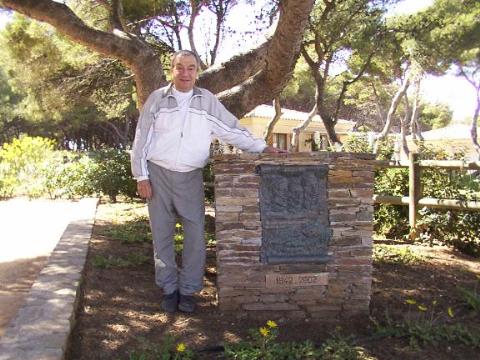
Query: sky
x=452, y=90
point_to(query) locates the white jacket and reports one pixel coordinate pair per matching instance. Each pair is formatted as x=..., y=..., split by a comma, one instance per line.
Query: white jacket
x=165, y=137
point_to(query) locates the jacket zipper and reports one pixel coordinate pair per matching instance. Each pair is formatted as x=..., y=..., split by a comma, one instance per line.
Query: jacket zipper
x=183, y=128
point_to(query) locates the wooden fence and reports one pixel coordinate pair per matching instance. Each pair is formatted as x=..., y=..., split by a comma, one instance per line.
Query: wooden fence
x=415, y=199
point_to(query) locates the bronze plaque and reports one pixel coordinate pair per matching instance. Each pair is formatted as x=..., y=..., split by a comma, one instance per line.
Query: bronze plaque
x=294, y=213
x=295, y=280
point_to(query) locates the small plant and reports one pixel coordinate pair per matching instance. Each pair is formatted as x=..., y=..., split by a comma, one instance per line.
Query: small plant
x=136, y=230
x=169, y=350
x=472, y=297
x=424, y=324
x=341, y=347
x=263, y=345
x=385, y=254
x=109, y=262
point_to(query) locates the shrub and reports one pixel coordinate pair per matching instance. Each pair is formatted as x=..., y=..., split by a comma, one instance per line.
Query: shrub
x=455, y=228
x=21, y=162
x=357, y=142
x=30, y=166
x=208, y=179
x=69, y=175
x=391, y=221
x=426, y=324
x=112, y=174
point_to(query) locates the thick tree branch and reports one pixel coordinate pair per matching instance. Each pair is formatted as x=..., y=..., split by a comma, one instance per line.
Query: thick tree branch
x=279, y=62
x=234, y=71
x=129, y=49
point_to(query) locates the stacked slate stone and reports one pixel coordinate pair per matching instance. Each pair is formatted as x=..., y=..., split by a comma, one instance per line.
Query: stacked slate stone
x=294, y=234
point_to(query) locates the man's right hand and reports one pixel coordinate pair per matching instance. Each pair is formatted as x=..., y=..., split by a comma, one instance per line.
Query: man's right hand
x=144, y=189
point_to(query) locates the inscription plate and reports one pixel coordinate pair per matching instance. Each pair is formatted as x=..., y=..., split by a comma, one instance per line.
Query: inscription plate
x=295, y=280
x=294, y=213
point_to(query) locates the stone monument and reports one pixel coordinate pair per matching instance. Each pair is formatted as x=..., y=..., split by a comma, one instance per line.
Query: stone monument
x=294, y=233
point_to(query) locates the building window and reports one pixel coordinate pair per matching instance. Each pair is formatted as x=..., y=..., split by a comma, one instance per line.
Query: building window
x=280, y=141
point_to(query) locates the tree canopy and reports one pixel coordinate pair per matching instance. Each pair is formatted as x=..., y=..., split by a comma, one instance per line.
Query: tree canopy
x=82, y=72
x=242, y=83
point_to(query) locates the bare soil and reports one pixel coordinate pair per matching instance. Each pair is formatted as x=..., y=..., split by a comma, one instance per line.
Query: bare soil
x=120, y=307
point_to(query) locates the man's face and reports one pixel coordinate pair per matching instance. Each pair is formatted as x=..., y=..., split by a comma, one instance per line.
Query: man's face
x=184, y=72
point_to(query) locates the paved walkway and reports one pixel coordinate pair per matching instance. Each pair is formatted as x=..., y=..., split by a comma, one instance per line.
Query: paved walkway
x=38, y=287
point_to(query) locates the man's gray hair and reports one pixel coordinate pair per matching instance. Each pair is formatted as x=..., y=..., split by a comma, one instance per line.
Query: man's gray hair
x=185, y=53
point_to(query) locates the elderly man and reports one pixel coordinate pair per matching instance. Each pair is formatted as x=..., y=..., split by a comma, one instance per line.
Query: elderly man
x=171, y=147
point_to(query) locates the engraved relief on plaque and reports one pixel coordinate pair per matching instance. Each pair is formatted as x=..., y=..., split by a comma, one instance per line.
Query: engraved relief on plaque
x=294, y=213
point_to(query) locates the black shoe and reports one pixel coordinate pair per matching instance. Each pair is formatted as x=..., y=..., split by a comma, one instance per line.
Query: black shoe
x=170, y=302
x=186, y=303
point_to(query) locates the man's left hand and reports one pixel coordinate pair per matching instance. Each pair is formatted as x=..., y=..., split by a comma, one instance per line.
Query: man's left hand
x=274, y=150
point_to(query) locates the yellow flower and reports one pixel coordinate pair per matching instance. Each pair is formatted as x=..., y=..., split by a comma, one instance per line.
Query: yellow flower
x=410, y=301
x=450, y=312
x=434, y=302
x=271, y=324
x=422, y=308
x=178, y=225
x=181, y=347
x=264, y=331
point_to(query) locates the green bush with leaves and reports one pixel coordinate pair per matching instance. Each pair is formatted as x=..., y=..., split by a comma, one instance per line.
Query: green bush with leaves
x=69, y=175
x=391, y=221
x=436, y=226
x=112, y=175
x=21, y=162
x=208, y=179
x=451, y=227
x=32, y=167
x=357, y=142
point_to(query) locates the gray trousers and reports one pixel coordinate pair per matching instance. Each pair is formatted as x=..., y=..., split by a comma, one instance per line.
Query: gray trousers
x=177, y=193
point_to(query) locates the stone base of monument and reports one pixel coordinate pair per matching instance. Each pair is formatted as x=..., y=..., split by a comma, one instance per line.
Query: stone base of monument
x=294, y=234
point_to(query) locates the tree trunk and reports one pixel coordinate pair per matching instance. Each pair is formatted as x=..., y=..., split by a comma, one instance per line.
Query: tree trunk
x=415, y=129
x=271, y=125
x=473, y=128
x=476, y=84
x=403, y=127
x=332, y=136
x=295, y=143
x=391, y=112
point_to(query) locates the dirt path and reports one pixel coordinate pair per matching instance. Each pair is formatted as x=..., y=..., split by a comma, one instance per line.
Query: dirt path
x=29, y=231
